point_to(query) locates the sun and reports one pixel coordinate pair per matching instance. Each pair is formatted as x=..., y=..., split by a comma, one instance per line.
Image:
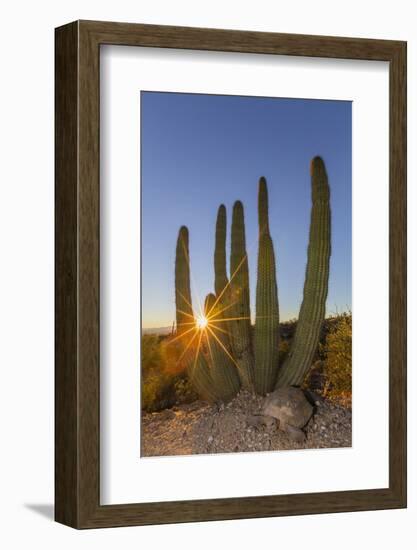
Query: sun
x=202, y=322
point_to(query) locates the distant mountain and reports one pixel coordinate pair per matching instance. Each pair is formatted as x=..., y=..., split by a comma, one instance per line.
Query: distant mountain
x=157, y=330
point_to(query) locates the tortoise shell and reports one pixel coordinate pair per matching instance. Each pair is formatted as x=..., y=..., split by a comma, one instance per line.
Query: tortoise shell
x=289, y=405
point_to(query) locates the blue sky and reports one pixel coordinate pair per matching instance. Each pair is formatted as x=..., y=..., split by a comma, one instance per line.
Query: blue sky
x=199, y=151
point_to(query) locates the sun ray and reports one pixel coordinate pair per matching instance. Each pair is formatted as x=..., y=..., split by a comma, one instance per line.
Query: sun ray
x=181, y=335
x=228, y=283
x=185, y=313
x=186, y=301
x=186, y=349
x=197, y=295
x=224, y=348
x=221, y=330
x=193, y=322
x=228, y=319
x=197, y=351
x=245, y=257
x=209, y=347
x=193, y=284
x=217, y=313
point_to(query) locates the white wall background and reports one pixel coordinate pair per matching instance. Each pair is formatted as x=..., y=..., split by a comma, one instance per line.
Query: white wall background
x=26, y=273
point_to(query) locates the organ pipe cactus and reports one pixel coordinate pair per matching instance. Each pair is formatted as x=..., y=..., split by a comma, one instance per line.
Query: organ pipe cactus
x=199, y=374
x=222, y=357
x=223, y=369
x=183, y=303
x=267, y=312
x=313, y=306
x=221, y=281
x=197, y=365
x=240, y=301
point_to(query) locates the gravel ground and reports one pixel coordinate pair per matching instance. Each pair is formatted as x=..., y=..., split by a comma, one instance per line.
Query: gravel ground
x=199, y=428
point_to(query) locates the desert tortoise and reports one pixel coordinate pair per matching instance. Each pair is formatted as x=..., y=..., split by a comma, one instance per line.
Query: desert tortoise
x=290, y=407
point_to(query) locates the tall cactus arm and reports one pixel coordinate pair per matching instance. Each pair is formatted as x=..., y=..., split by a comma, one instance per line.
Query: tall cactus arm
x=267, y=311
x=220, y=271
x=223, y=369
x=221, y=281
x=313, y=307
x=199, y=374
x=239, y=291
x=183, y=303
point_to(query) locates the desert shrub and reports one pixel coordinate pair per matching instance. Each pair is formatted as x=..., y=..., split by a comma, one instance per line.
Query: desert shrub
x=156, y=385
x=151, y=353
x=163, y=381
x=156, y=393
x=184, y=391
x=283, y=349
x=336, y=352
x=172, y=355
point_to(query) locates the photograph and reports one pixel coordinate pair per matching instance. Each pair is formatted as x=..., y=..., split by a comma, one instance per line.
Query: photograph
x=246, y=274
x=208, y=267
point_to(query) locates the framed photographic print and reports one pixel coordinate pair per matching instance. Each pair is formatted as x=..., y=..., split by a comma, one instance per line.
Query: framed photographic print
x=230, y=274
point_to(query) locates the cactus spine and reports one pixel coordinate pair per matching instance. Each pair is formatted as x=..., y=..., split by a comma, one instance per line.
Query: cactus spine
x=313, y=306
x=223, y=370
x=267, y=311
x=240, y=301
x=183, y=303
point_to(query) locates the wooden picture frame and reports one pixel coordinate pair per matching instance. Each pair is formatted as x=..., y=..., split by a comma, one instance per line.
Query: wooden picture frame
x=77, y=372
